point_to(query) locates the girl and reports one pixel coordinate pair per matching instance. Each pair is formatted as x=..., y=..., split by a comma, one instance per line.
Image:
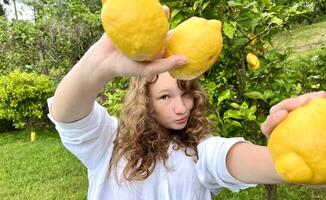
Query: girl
x=161, y=148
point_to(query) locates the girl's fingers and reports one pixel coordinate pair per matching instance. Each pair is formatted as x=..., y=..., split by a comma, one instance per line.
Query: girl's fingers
x=279, y=111
x=272, y=121
x=287, y=104
x=313, y=95
x=162, y=65
x=166, y=11
x=290, y=104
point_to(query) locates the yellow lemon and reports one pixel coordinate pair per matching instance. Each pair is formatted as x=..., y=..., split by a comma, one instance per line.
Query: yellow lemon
x=253, y=61
x=298, y=144
x=253, y=39
x=103, y=2
x=201, y=41
x=137, y=28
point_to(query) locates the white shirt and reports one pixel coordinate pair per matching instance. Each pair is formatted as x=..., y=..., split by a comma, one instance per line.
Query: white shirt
x=91, y=140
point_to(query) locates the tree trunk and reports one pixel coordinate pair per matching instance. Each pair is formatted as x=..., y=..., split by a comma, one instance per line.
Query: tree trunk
x=271, y=192
x=15, y=8
x=241, y=75
x=41, y=54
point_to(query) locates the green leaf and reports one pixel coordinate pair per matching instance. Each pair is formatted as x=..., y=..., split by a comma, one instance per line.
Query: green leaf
x=235, y=123
x=244, y=106
x=315, y=86
x=174, y=13
x=235, y=105
x=249, y=19
x=277, y=21
x=233, y=3
x=251, y=117
x=229, y=29
x=176, y=20
x=205, y=5
x=196, y=5
x=232, y=114
x=298, y=88
x=254, y=95
x=226, y=94
x=268, y=94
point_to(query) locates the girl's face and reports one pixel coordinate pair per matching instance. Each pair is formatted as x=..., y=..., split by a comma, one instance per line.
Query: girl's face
x=171, y=105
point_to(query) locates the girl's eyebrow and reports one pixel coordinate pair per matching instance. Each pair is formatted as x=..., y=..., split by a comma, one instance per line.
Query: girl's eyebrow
x=164, y=90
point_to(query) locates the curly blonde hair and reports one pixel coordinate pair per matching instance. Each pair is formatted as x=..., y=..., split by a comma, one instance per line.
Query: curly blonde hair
x=142, y=142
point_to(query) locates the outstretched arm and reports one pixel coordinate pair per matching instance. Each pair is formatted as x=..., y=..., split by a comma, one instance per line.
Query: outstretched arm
x=76, y=93
x=251, y=163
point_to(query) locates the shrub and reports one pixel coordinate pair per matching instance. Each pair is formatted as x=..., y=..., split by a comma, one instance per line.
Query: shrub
x=23, y=97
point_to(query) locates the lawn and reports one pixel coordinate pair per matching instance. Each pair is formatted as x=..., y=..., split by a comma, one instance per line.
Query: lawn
x=302, y=39
x=43, y=169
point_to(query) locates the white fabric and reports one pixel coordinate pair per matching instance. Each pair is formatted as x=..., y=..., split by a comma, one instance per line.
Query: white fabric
x=91, y=140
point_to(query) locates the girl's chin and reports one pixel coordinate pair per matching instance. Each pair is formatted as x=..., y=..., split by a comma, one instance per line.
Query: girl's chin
x=178, y=127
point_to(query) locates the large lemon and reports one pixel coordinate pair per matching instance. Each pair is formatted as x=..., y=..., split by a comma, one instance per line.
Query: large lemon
x=298, y=144
x=201, y=41
x=137, y=28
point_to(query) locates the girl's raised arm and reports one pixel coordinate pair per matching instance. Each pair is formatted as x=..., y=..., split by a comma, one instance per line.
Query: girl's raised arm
x=76, y=93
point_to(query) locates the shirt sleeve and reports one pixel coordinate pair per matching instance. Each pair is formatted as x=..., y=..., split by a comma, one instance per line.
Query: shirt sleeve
x=211, y=165
x=90, y=139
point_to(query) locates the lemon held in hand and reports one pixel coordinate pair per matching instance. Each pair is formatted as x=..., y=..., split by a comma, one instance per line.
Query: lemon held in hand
x=201, y=41
x=138, y=28
x=298, y=144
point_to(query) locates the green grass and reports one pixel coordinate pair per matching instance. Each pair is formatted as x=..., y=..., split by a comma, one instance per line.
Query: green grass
x=295, y=59
x=302, y=38
x=43, y=169
x=284, y=192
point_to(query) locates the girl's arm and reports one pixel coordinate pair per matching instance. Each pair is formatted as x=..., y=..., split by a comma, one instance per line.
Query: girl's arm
x=251, y=163
x=76, y=93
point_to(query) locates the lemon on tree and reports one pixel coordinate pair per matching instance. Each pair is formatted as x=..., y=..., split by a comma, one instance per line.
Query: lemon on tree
x=253, y=39
x=298, y=144
x=200, y=40
x=253, y=61
x=138, y=28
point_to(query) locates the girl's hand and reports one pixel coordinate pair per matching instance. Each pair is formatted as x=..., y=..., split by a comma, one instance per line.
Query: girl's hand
x=279, y=111
x=111, y=61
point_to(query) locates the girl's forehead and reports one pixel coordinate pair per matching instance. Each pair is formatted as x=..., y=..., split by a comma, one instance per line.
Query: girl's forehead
x=164, y=81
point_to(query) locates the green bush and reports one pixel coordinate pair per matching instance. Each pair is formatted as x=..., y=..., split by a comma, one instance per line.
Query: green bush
x=23, y=97
x=112, y=97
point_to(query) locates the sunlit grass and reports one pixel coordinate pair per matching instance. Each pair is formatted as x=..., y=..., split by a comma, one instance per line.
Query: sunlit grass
x=43, y=169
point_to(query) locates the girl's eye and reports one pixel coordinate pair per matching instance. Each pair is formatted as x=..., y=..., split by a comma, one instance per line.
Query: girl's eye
x=164, y=97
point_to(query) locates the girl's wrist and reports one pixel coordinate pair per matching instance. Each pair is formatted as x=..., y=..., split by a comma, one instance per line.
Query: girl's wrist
x=97, y=66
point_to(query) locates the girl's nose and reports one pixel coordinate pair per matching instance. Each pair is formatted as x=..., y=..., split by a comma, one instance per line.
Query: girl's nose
x=180, y=106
